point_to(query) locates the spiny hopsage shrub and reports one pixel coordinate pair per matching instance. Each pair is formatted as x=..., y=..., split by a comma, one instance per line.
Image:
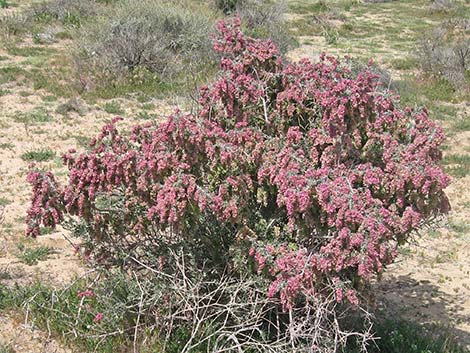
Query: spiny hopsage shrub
x=310, y=172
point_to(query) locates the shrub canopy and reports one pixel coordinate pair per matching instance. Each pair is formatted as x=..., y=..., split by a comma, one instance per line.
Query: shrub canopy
x=302, y=172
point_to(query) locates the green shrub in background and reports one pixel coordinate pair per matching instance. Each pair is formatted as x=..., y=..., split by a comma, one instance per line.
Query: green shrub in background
x=265, y=19
x=66, y=11
x=261, y=18
x=445, y=55
x=158, y=39
x=227, y=6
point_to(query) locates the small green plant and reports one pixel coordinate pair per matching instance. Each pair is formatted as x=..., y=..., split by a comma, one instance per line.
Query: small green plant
x=29, y=51
x=24, y=94
x=62, y=311
x=457, y=165
x=148, y=106
x=145, y=115
x=407, y=337
x=46, y=230
x=4, y=201
x=113, y=108
x=49, y=98
x=82, y=141
x=462, y=124
x=459, y=227
x=227, y=6
x=10, y=74
x=34, y=117
x=4, y=4
x=6, y=146
x=403, y=63
x=3, y=347
x=31, y=256
x=41, y=155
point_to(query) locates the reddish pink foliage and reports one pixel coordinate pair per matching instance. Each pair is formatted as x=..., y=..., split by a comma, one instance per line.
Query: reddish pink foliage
x=86, y=294
x=348, y=171
x=98, y=317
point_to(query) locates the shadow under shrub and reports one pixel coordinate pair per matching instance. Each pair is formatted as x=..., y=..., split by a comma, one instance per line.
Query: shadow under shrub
x=303, y=178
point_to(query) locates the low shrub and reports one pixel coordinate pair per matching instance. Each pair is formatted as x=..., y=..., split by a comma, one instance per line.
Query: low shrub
x=304, y=176
x=14, y=24
x=66, y=11
x=75, y=105
x=445, y=52
x=265, y=19
x=227, y=6
x=441, y=6
x=37, y=18
x=155, y=37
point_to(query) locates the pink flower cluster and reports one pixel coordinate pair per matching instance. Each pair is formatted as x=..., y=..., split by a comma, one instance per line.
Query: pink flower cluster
x=46, y=206
x=344, y=173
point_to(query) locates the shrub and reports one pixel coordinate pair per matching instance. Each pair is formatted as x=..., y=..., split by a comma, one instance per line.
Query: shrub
x=302, y=174
x=227, y=6
x=72, y=105
x=13, y=24
x=445, y=52
x=157, y=36
x=65, y=11
x=265, y=19
x=439, y=6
